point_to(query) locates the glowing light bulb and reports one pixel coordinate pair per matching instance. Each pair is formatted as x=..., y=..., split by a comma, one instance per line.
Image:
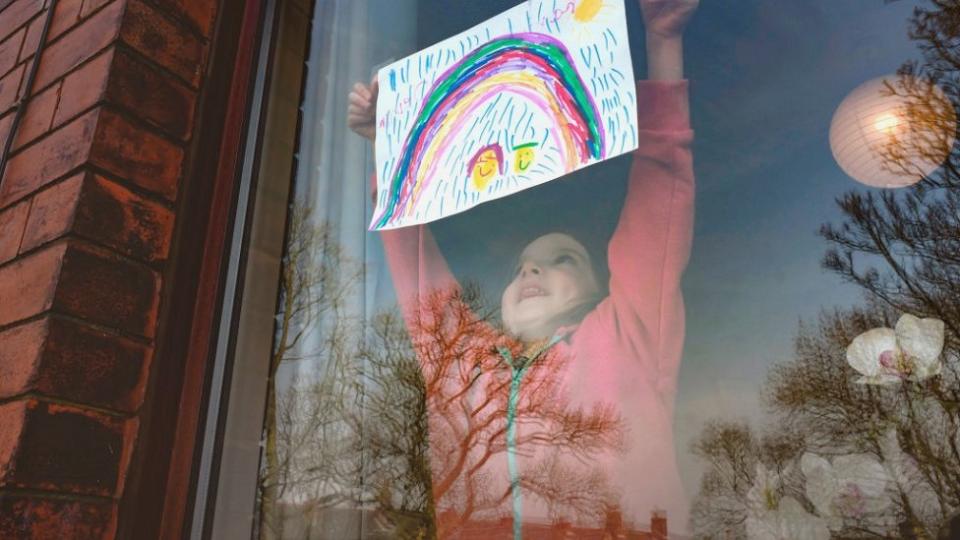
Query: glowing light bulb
x=893, y=131
x=887, y=123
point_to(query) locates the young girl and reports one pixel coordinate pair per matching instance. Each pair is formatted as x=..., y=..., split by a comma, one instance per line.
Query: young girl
x=613, y=361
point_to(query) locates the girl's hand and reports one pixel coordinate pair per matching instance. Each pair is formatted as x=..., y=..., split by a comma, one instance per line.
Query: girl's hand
x=664, y=21
x=667, y=18
x=362, y=109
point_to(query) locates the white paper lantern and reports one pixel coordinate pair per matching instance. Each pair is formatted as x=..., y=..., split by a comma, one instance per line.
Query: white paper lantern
x=892, y=131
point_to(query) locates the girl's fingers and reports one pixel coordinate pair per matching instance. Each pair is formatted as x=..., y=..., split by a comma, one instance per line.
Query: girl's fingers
x=353, y=112
x=358, y=97
x=362, y=90
x=361, y=108
x=358, y=120
x=362, y=93
x=358, y=101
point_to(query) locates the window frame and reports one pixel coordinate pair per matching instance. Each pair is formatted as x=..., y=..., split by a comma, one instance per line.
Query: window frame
x=229, y=432
x=163, y=474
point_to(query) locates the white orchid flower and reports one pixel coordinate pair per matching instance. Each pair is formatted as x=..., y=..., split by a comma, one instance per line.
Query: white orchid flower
x=852, y=487
x=772, y=517
x=888, y=356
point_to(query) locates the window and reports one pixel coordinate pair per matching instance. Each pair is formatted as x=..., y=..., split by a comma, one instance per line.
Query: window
x=583, y=358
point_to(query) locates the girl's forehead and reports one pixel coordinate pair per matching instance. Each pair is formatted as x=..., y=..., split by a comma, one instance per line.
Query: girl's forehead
x=552, y=243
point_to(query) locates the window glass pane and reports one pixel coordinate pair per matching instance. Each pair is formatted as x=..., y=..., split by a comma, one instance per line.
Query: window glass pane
x=584, y=359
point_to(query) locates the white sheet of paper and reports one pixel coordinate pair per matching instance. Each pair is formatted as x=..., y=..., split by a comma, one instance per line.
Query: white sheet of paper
x=539, y=91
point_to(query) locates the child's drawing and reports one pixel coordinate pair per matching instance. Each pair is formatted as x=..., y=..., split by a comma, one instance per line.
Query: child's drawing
x=534, y=93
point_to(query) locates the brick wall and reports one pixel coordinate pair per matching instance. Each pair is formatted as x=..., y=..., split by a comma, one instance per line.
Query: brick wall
x=88, y=205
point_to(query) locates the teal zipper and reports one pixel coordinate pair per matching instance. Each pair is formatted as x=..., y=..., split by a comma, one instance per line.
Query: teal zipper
x=518, y=368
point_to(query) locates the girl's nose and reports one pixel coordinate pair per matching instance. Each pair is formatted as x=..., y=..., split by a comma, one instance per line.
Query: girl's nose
x=531, y=267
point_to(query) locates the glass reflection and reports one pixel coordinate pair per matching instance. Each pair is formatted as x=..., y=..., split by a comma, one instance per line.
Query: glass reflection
x=539, y=401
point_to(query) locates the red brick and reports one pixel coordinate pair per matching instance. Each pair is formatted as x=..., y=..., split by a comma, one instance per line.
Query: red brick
x=13, y=220
x=22, y=91
x=67, y=15
x=67, y=360
x=105, y=289
x=5, y=122
x=199, y=12
x=52, y=213
x=36, y=518
x=84, y=87
x=160, y=39
x=9, y=49
x=89, y=6
x=151, y=94
x=135, y=154
x=18, y=14
x=97, y=209
x=79, y=44
x=28, y=285
x=10, y=87
x=124, y=221
x=89, y=366
x=62, y=448
x=58, y=153
x=11, y=418
x=21, y=348
x=38, y=116
x=32, y=39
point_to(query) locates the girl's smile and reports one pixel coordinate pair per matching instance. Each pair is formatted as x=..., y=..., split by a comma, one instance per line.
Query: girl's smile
x=531, y=292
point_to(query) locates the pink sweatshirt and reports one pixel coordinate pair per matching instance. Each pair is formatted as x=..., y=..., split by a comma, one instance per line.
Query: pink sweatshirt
x=625, y=354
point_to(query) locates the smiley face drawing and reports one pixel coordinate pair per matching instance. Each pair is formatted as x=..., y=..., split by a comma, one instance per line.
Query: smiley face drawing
x=523, y=155
x=486, y=165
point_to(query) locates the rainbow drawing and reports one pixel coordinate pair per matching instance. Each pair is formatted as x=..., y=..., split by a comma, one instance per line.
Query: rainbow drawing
x=534, y=66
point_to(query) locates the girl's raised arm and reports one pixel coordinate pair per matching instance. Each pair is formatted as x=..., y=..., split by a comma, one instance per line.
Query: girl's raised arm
x=651, y=245
x=417, y=267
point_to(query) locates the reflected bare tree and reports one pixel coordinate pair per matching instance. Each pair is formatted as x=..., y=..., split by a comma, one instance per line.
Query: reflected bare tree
x=467, y=384
x=902, y=246
x=315, y=281
x=934, y=29
x=902, y=249
x=910, y=427
x=393, y=425
x=404, y=420
x=731, y=451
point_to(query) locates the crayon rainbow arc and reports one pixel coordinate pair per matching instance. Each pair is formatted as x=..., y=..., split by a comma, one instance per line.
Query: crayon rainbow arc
x=535, y=66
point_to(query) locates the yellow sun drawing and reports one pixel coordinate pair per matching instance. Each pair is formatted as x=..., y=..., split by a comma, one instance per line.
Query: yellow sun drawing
x=586, y=10
x=588, y=19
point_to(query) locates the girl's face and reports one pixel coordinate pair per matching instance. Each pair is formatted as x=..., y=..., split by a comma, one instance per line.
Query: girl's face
x=553, y=277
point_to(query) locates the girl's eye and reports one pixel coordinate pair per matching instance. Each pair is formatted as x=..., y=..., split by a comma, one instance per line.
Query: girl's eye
x=563, y=259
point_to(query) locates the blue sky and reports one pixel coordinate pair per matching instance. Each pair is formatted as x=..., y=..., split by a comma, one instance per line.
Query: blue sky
x=766, y=78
